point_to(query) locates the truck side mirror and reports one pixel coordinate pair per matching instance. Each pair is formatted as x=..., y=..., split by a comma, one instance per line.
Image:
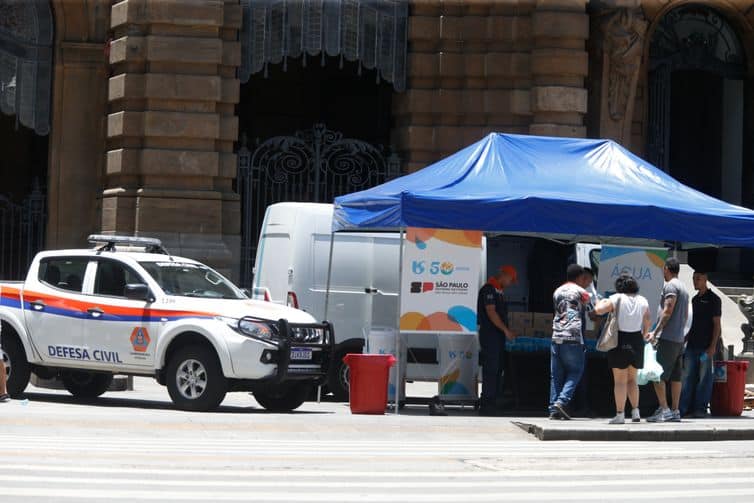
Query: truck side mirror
x=137, y=291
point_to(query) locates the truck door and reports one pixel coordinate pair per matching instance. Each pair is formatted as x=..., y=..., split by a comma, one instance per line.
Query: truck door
x=119, y=332
x=55, y=309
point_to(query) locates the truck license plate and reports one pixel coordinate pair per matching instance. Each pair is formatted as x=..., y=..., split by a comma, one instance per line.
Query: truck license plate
x=300, y=354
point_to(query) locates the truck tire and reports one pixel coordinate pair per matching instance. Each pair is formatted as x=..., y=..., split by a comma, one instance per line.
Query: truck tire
x=86, y=385
x=339, y=376
x=195, y=379
x=283, y=398
x=16, y=366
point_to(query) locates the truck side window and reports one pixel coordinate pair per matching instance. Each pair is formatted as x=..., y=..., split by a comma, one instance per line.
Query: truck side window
x=66, y=273
x=112, y=278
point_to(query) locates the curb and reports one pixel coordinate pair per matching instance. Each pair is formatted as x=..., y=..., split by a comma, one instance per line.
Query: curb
x=704, y=434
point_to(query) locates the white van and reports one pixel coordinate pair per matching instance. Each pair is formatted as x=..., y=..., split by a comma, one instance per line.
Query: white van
x=292, y=265
x=291, y=268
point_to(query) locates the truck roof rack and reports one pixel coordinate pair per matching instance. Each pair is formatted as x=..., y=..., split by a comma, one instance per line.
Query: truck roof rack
x=150, y=245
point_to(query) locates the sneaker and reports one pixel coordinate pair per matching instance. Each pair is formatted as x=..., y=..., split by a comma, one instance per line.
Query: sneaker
x=620, y=418
x=635, y=416
x=661, y=416
x=562, y=409
x=555, y=416
x=5, y=397
x=676, y=417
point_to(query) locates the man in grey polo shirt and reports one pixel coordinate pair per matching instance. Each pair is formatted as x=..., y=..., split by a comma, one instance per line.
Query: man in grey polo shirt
x=669, y=336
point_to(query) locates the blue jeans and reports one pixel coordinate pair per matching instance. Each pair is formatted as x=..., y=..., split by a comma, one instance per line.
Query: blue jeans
x=697, y=381
x=566, y=368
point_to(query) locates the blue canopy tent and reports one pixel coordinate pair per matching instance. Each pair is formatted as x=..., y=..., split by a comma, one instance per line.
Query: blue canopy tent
x=571, y=190
x=561, y=188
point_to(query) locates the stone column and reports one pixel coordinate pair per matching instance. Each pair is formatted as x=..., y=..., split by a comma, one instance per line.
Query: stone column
x=559, y=66
x=620, y=29
x=170, y=160
x=468, y=75
x=77, y=133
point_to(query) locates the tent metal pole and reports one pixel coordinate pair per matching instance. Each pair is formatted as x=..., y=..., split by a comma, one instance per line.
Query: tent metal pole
x=329, y=274
x=398, y=335
x=327, y=296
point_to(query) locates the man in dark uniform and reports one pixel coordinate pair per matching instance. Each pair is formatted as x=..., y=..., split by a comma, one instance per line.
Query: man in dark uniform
x=492, y=315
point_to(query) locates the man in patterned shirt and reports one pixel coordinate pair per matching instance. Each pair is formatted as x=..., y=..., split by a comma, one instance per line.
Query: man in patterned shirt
x=567, y=348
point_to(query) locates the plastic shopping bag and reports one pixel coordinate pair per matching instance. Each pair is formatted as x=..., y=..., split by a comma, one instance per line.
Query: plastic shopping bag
x=652, y=370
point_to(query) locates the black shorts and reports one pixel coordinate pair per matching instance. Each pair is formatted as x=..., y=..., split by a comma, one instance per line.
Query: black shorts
x=628, y=353
x=670, y=356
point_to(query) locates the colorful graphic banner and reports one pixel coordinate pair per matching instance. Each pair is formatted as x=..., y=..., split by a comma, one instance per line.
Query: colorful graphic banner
x=440, y=280
x=644, y=264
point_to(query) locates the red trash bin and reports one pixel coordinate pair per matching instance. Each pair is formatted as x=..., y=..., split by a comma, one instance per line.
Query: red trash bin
x=729, y=388
x=368, y=382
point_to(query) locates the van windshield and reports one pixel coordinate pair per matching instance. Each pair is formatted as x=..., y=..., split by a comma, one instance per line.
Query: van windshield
x=185, y=279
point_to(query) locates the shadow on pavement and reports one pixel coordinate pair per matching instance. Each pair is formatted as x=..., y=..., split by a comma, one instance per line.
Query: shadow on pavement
x=136, y=403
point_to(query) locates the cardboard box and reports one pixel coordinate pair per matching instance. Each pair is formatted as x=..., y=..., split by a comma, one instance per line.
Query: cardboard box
x=519, y=321
x=542, y=322
x=540, y=334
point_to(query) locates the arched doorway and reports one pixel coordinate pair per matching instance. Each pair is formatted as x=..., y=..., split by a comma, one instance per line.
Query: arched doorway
x=315, y=113
x=26, y=38
x=696, y=109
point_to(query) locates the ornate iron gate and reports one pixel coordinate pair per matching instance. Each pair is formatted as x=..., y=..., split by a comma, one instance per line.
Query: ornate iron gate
x=22, y=233
x=689, y=37
x=313, y=165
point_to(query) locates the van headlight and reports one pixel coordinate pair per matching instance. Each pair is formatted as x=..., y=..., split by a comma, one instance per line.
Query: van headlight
x=249, y=327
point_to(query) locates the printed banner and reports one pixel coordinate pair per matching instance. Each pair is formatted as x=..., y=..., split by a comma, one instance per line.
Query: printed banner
x=644, y=264
x=440, y=280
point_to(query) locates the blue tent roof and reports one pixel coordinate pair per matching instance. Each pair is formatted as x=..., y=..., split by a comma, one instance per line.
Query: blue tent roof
x=563, y=188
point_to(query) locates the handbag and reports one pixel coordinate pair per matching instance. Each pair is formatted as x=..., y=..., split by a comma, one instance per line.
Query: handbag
x=609, y=338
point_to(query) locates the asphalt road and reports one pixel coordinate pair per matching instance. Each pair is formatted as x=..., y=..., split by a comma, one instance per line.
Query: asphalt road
x=134, y=446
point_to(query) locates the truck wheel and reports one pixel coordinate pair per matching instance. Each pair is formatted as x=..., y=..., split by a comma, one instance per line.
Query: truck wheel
x=195, y=379
x=283, y=398
x=86, y=385
x=339, y=378
x=17, y=368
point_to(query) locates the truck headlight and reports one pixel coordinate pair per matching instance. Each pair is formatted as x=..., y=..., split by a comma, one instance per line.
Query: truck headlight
x=311, y=335
x=249, y=327
x=255, y=329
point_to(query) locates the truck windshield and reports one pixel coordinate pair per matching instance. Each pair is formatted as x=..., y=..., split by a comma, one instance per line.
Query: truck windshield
x=185, y=279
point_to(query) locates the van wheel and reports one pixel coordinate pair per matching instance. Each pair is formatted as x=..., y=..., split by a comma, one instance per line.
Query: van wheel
x=283, y=398
x=17, y=368
x=339, y=378
x=86, y=385
x=195, y=379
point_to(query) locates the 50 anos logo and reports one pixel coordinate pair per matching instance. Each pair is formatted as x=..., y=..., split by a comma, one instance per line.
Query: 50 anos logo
x=435, y=267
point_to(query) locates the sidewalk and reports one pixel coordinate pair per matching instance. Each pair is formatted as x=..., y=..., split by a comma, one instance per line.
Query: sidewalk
x=714, y=428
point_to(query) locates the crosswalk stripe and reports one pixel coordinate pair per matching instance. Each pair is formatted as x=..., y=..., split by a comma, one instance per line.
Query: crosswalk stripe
x=110, y=494
x=381, y=486
x=300, y=474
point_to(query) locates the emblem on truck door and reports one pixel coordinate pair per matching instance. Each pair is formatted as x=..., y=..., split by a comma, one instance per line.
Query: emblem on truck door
x=140, y=339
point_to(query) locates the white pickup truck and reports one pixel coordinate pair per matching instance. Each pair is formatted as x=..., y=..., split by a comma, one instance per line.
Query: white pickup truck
x=84, y=315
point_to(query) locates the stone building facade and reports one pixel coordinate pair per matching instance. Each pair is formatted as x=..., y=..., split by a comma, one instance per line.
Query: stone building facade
x=151, y=101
